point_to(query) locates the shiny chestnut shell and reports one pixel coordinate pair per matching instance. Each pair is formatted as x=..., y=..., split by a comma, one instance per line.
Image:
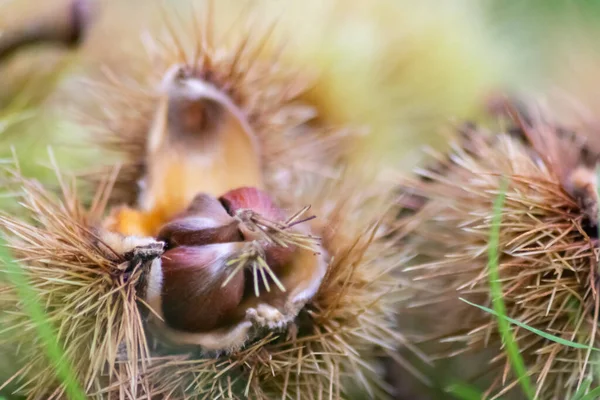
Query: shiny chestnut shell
x=261, y=202
x=204, y=222
x=193, y=299
x=253, y=199
x=200, y=242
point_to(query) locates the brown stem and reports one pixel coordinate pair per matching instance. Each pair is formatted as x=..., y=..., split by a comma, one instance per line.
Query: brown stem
x=66, y=28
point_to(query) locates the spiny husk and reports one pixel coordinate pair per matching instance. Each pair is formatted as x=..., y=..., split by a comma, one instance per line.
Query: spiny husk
x=334, y=344
x=333, y=347
x=398, y=68
x=246, y=67
x=88, y=291
x=547, y=258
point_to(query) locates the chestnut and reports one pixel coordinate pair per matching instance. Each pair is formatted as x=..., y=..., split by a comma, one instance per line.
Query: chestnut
x=218, y=250
x=193, y=296
x=253, y=206
x=204, y=222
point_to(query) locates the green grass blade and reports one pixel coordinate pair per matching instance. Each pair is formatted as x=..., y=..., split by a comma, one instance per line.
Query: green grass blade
x=44, y=328
x=9, y=119
x=499, y=307
x=585, y=386
x=592, y=395
x=545, y=335
x=464, y=391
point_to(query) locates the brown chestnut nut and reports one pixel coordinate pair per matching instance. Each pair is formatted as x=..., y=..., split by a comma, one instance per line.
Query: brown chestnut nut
x=256, y=210
x=218, y=250
x=193, y=298
x=242, y=214
x=204, y=222
x=252, y=199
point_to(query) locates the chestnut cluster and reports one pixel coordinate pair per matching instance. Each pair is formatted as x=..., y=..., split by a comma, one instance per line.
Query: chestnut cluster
x=208, y=249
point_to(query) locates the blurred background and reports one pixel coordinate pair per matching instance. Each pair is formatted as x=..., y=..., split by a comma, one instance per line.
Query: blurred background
x=404, y=71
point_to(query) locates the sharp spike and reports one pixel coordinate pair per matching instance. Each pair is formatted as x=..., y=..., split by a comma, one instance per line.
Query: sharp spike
x=178, y=46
